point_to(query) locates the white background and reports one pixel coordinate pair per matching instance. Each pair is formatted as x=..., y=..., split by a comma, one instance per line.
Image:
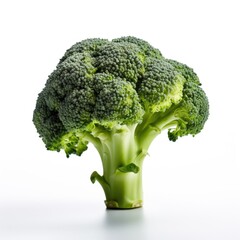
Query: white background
x=191, y=187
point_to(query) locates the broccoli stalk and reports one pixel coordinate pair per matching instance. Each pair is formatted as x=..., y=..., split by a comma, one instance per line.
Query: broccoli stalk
x=122, y=150
x=122, y=167
x=118, y=95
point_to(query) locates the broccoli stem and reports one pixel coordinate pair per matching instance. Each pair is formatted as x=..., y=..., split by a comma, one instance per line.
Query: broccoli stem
x=122, y=168
x=122, y=151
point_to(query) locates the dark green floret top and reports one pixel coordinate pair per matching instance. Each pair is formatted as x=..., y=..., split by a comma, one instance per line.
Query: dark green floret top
x=100, y=84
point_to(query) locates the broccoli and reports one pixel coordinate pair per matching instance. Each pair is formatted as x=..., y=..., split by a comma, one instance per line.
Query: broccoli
x=118, y=95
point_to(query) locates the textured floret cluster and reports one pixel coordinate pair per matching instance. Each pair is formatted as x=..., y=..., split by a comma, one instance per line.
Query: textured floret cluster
x=104, y=83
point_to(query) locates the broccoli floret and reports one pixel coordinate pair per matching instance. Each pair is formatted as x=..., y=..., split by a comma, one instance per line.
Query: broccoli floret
x=122, y=60
x=118, y=95
x=161, y=86
x=145, y=47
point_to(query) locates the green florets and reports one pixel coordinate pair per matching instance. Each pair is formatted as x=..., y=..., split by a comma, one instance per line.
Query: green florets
x=48, y=124
x=192, y=112
x=186, y=71
x=77, y=109
x=124, y=106
x=101, y=84
x=90, y=46
x=74, y=73
x=121, y=60
x=161, y=86
x=146, y=49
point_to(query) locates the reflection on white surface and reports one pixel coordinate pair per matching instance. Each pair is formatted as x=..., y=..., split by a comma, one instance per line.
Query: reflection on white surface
x=168, y=220
x=125, y=224
x=69, y=222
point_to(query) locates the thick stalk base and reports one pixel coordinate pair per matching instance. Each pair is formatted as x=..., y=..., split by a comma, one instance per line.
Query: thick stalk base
x=114, y=205
x=125, y=191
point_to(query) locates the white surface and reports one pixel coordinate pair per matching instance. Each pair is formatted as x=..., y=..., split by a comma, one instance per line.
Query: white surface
x=175, y=220
x=191, y=187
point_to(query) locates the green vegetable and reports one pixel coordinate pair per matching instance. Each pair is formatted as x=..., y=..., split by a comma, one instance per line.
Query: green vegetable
x=118, y=95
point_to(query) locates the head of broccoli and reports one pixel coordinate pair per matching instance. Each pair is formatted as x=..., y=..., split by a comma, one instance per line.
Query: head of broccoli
x=118, y=95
